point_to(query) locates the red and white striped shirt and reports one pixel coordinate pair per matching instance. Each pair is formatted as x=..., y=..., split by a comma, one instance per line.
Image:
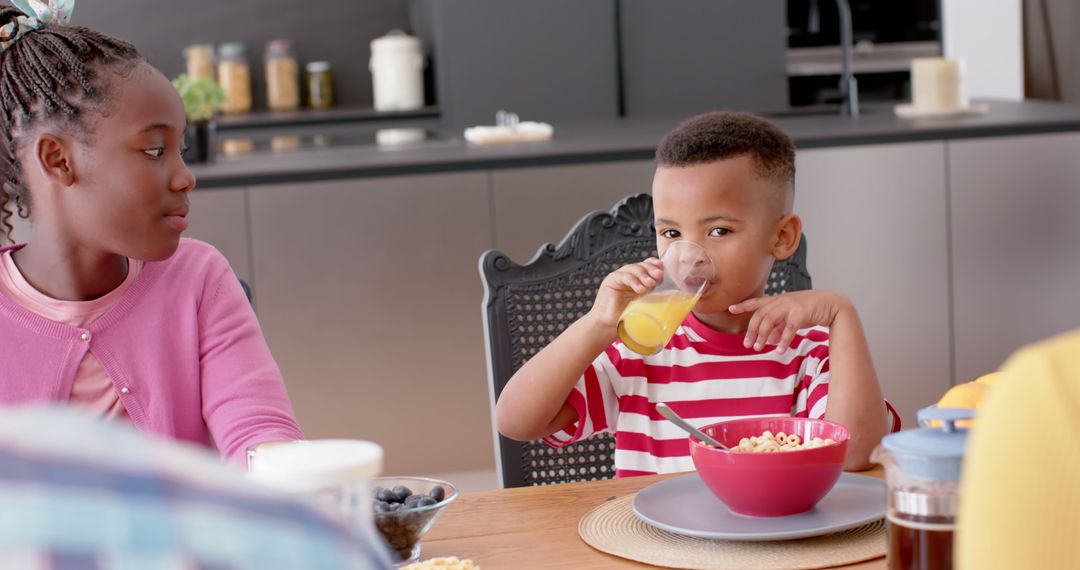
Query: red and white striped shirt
x=705, y=376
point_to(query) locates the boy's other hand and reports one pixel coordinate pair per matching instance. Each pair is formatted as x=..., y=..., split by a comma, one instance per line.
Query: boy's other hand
x=777, y=318
x=622, y=286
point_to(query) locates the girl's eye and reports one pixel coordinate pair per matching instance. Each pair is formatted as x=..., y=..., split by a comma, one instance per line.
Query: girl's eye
x=670, y=234
x=155, y=152
x=719, y=232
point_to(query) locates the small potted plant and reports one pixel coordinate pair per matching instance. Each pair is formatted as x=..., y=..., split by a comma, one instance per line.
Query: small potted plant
x=202, y=98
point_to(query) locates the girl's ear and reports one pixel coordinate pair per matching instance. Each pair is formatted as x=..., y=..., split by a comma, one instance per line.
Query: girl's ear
x=54, y=156
x=788, y=235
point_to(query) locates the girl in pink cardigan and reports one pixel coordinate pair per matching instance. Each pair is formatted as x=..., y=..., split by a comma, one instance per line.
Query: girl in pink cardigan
x=105, y=306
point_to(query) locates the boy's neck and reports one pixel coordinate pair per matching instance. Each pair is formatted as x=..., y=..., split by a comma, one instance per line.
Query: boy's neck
x=68, y=273
x=725, y=322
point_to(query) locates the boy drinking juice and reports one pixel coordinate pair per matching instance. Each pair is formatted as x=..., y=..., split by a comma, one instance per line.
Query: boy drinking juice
x=725, y=182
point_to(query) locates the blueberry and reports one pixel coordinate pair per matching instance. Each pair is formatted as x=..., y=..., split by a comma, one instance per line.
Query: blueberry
x=402, y=492
x=426, y=502
x=382, y=507
x=386, y=495
x=411, y=500
x=395, y=506
x=438, y=493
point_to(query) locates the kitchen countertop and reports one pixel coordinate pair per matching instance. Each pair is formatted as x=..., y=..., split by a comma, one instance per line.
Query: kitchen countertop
x=627, y=139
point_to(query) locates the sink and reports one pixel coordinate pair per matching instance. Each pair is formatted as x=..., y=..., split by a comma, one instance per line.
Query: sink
x=827, y=110
x=815, y=111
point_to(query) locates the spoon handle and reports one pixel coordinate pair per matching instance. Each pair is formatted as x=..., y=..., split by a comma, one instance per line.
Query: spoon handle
x=670, y=414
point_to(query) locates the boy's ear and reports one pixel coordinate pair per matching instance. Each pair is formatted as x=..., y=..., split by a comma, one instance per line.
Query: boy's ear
x=788, y=235
x=55, y=157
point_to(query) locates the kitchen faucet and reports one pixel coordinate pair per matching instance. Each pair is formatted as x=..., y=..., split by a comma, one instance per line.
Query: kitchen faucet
x=849, y=89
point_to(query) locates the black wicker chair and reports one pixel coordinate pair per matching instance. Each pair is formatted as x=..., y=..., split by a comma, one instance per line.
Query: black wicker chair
x=526, y=306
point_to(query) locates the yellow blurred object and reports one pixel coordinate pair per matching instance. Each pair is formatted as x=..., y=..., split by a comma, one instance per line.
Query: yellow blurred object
x=967, y=395
x=989, y=379
x=1020, y=499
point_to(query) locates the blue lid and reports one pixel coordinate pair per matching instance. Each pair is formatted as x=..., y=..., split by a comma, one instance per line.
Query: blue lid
x=934, y=453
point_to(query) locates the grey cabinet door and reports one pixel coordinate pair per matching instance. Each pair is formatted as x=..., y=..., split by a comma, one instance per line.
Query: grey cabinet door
x=1015, y=212
x=219, y=217
x=682, y=57
x=875, y=222
x=370, y=300
x=534, y=206
x=551, y=61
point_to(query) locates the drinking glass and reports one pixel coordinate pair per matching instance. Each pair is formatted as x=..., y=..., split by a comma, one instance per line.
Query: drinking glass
x=647, y=323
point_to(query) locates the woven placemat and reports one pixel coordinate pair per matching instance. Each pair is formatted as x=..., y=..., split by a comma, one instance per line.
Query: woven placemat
x=615, y=529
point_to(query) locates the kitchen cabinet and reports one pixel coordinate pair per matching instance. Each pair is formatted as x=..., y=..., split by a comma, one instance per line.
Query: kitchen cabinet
x=533, y=206
x=219, y=217
x=550, y=61
x=876, y=229
x=684, y=57
x=1015, y=209
x=370, y=299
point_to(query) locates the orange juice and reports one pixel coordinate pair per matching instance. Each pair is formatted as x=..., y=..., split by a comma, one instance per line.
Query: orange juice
x=646, y=325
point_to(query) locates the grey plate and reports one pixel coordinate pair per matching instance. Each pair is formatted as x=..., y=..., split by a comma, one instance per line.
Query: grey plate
x=684, y=505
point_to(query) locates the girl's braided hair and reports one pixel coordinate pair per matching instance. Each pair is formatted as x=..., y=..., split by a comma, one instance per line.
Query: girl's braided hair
x=47, y=74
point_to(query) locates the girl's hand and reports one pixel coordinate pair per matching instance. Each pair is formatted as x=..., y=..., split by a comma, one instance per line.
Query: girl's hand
x=777, y=318
x=622, y=286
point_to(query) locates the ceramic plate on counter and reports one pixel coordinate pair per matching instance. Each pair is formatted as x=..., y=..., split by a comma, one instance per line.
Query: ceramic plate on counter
x=909, y=111
x=684, y=505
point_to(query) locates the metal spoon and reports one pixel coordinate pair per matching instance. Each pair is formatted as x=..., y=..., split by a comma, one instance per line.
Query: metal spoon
x=670, y=414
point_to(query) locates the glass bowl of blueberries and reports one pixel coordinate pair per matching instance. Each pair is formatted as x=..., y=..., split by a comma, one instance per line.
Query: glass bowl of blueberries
x=405, y=508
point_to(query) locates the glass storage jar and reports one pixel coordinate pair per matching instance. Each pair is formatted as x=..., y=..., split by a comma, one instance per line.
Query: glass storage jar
x=234, y=75
x=282, y=76
x=320, y=83
x=199, y=61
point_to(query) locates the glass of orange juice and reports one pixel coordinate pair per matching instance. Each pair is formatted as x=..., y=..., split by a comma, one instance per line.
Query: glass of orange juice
x=647, y=323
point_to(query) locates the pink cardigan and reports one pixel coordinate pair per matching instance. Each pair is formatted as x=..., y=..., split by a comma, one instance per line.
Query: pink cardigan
x=182, y=346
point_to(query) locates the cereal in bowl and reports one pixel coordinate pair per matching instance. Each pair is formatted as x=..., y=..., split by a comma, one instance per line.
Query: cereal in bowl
x=768, y=443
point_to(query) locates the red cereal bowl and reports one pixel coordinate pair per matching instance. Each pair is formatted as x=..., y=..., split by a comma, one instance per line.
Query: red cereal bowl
x=770, y=484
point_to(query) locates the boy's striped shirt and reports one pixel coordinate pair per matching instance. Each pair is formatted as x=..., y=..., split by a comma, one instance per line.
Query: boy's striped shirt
x=706, y=377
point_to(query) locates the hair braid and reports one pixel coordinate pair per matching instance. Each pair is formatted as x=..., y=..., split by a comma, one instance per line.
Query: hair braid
x=49, y=74
x=42, y=64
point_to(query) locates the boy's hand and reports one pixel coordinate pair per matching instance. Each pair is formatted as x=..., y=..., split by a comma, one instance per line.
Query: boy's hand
x=622, y=286
x=777, y=318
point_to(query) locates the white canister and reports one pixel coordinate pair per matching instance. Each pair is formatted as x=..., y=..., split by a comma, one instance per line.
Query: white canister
x=938, y=84
x=397, y=72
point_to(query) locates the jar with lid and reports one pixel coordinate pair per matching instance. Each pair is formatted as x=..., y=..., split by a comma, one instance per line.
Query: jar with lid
x=234, y=75
x=397, y=72
x=922, y=478
x=199, y=60
x=282, y=76
x=333, y=474
x=320, y=84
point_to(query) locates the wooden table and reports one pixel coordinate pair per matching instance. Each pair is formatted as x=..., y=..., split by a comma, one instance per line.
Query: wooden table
x=536, y=527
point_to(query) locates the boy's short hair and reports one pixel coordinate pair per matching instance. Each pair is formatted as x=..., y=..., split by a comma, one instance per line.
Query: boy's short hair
x=724, y=134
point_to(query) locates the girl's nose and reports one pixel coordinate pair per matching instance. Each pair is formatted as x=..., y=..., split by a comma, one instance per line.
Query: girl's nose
x=184, y=180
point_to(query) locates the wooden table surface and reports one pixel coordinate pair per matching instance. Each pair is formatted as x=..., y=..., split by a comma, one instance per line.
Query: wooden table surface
x=536, y=527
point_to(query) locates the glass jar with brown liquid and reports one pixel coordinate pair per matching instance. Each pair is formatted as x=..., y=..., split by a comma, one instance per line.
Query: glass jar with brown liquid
x=922, y=475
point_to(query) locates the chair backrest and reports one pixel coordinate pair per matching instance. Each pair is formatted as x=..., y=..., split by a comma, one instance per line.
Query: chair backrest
x=526, y=306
